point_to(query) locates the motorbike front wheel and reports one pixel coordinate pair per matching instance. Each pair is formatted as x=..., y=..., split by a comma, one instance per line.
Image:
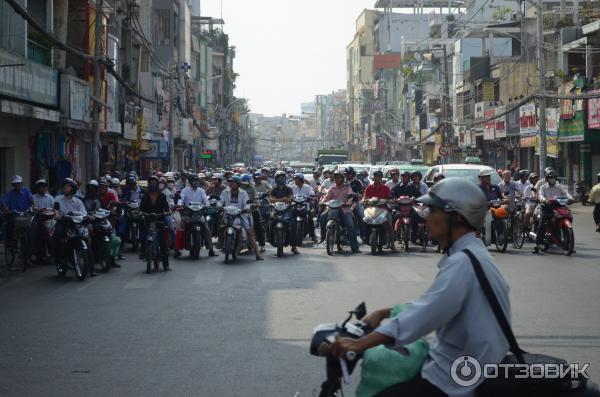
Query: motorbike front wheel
x=227, y=247
x=405, y=236
x=80, y=263
x=300, y=233
x=330, y=240
x=104, y=257
x=279, y=242
x=518, y=231
x=567, y=240
x=374, y=241
x=195, y=248
x=501, y=239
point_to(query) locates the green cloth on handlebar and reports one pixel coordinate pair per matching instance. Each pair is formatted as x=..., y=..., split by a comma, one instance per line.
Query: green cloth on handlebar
x=115, y=244
x=383, y=367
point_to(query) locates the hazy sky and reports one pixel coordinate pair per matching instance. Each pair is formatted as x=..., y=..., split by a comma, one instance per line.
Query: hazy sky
x=288, y=50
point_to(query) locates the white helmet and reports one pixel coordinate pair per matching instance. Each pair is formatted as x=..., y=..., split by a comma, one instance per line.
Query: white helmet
x=486, y=172
x=93, y=182
x=115, y=182
x=461, y=196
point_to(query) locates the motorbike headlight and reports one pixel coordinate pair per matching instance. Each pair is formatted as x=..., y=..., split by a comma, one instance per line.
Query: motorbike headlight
x=381, y=218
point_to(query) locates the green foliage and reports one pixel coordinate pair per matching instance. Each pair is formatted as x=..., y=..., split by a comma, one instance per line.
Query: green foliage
x=501, y=13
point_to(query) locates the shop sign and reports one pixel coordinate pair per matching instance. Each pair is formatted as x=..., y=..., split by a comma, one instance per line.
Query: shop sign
x=528, y=119
x=489, y=127
x=552, y=146
x=527, y=141
x=552, y=120
x=157, y=149
x=594, y=111
x=130, y=121
x=571, y=130
x=513, y=126
x=480, y=108
x=27, y=110
x=500, y=127
x=75, y=99
x=112, y=112
x=30, y=81
x=566, y=105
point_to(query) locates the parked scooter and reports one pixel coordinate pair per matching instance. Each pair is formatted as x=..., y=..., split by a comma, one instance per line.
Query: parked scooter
x=72, y=248
x=100, y=239
x=376, y=216
x=559, y=230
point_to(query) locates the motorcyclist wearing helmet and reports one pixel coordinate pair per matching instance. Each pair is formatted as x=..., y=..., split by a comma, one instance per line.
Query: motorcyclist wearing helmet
x=363, y=177
x=416, y=180
x=395, y=178
x=453, y=306
x=260, y=183
x=316, y=181
x=115, y=185
x=378, y=189
x=404, y=187
x=283, y=193
x=343, y=193
x=106, y=195
x=155, y=203
x=438, y=176
x=216, y=185
x=550, y=190
x=327, y=181
x=41, y=198
x=250, y=188
x=234, y=196
x=523, y=181
x=530, y=196
x=594, y=197
x=132, y=192
x=358, y=190
x=539, y=183
x=300, y=188
x=195, y=194
x=267, y=175
x=91, y=200
x=492, y=192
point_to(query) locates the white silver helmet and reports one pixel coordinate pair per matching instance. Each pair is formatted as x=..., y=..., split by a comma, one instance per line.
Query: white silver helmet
x=461, y=196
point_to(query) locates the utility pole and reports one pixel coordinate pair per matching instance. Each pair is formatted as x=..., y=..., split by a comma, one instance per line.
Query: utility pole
x=171, y=138
x=542, y=84
x=98, y=54
x=445, y=98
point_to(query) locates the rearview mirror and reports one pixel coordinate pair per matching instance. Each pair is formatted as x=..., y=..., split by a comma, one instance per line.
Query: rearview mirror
x=360, y=311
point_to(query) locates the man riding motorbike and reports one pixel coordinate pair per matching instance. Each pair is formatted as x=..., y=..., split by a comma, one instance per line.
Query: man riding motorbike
x=132, y=192
x=357, y=189
x=195, y=194
x=155, y=203
x=416, y=180
x=341, y=192
x=316, y=181
x=394, y=175
x=282, y=193
x=530, y=195
x=327, y=181
x=91, y=200
x=455, y=306
x=492, y=192
x=548, y=191
x=300, y=188
x=259, y=232
x=260, y=183
x=234, y=196
x=404, y=187
x=379, y=190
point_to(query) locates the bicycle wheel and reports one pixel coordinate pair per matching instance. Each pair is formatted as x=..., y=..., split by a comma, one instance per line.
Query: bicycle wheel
x=22, y=250
x=501, y=239
x=9, y=253
x=518, y=231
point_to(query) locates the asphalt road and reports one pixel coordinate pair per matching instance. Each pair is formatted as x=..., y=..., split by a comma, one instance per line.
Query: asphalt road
x=209, y=329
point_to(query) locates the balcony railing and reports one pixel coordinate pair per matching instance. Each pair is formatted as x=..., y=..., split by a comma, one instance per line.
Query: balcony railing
x=38, y=52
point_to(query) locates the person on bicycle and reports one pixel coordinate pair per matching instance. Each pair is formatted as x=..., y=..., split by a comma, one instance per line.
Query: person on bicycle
x=492, y=192
x=155, y=202
x=236, y=197
x=529, y=194
x=19, y=199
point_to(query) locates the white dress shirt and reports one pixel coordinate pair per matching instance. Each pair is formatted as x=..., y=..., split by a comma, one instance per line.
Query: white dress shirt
x=189, y=195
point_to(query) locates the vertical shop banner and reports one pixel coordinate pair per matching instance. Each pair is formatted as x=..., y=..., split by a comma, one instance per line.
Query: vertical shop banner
x=513, y=123
x=130, y=121
x=552, y=120
x=566, y=105
x=552, y=146
x=489, y=127
x=112, y=111
x=500, y=127
x=594, y=111
x=528, y=119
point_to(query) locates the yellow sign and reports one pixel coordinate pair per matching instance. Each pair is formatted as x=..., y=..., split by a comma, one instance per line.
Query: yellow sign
x=552, y=147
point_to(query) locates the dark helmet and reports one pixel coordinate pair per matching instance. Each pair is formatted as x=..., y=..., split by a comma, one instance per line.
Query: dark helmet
x=193, y=178
x=550, y=174
x=299, y=175
x=72, y=183
x=378, y=173
x=350, y=171
x=532, y=176
x=523, y=174
x=417, y=173
x=131, y=180
x=235, y=179
x=246, y=178
x=405, y=173
x=338, y=173
x=153, y=178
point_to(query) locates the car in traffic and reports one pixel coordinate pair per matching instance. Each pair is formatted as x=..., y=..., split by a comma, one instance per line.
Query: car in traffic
x=468, y=171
